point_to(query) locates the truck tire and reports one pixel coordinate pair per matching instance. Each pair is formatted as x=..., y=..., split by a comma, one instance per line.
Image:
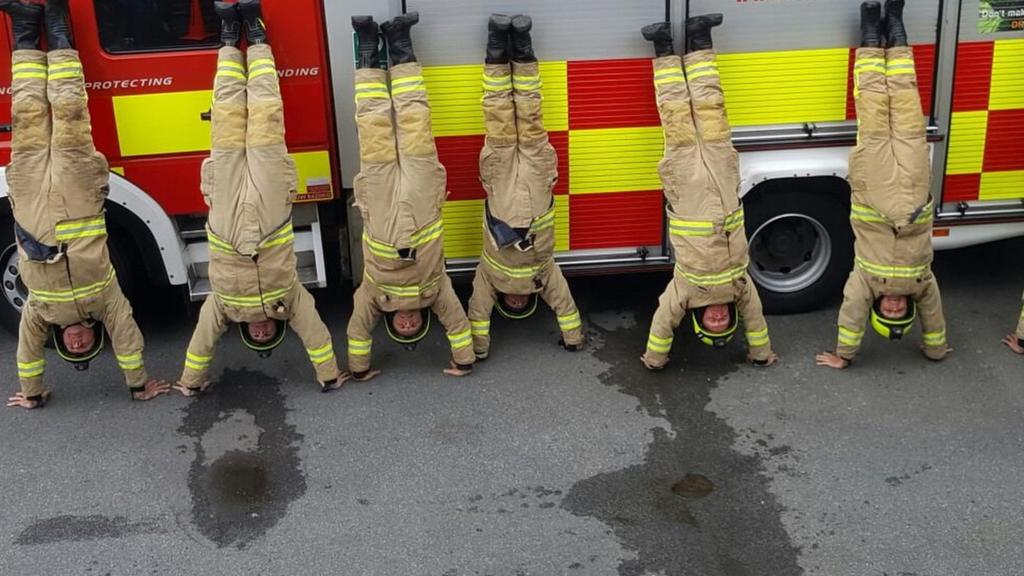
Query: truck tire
x=801, y=245
x=14, y=292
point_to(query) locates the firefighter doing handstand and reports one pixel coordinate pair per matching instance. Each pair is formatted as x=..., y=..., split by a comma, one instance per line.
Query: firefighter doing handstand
x=891, y=283
x=58, y=184
x=249, y=183
x=518, y=169
x=399, y=191
x=700, y=176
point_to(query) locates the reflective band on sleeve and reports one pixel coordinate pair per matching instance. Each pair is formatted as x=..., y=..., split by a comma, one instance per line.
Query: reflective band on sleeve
x=497, y=83
x=511, y=272
x=130, y=361
x=284, y=235
x=407, y=84
x=934, y=338
x=197, y=362
x=658, y=344
x=713, y=279
x=480, y=327
x=570, y=321
x=691, y=227
x=460, y=340
x=76, y=293
x=544, y=221
x=322, y=354
x=359, y=347
x=887, y=271
x=758, y=337
x=81, y=228
x=31, y=369
x=848, y=337
x=526, y=82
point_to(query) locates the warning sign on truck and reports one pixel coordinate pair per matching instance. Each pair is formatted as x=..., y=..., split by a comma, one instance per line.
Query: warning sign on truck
x=1000, y=16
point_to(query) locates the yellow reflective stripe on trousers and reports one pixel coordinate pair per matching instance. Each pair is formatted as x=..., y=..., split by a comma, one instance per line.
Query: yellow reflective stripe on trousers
x=734, y=220
x=322, y=354
x=253, y=301
x=497, y=83
x=460, y=340
x=712, y=279
x=231, y=64
x=359, y=347
x=848, y=337
x=407, y=84
x=480, y=327
x=865, y=213
x=757, y=337
x=934, y=338
x=691, y=227
x=701, y=69
x=28, y=70
x=544, y=221
x=231, y=73
x=426, y=234
x=570, y=321
x=261, y=66
x=526, y=82
x=129, y=361
x=65, y=70
x=898, y=66
x=96, y=226
x=511, y=272
x=888, y=271
x=74, y=294
x=669, y=76
x=371, y=90
x=31, y=369
x=283, y=236
x=659, y=344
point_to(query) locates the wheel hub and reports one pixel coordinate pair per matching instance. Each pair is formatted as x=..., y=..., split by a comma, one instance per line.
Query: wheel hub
x=789, y=253
x=14, y=290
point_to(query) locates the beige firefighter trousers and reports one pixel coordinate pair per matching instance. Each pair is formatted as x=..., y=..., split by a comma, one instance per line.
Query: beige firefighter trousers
x=251, y=197
x=56, y=173
x=700, y=175
x=890, y=175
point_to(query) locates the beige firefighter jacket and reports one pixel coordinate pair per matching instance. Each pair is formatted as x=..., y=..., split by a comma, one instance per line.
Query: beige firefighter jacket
x=700, y=176
x=58, y=184
x=891, y=208
x=249, y=184
x=400, y=189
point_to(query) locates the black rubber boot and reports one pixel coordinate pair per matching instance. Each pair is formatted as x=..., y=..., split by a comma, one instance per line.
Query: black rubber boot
x=230, y=23
x=368, y=34
x=895, y=31
x=661, y=34
x=397, y=31
x=58, y=30
x=252, y=16
x=522, y=43
x=26, y=20
x=498, y=28
x=698, y=32
x=871, y=24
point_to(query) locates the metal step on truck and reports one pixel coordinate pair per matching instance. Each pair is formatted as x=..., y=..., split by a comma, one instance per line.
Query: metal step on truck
x=785, y=65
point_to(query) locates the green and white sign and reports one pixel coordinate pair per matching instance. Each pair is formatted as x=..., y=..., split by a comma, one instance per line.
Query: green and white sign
x=1000, y=16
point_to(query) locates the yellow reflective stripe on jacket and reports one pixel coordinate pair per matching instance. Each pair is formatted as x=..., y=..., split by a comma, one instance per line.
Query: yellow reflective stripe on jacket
x=359, y=347
x=371, y=90
x=460, y=340
x=219, y=245
x=379, y=248
x=927, y=213
x=544, y=221
x=526, y=82
x=410, y=291
x=284, y=235
x=848, y=337
x=691, y=227
x=96, y=226
x=426, y=234
x=934, y=338
x=712, y=279
x=31, y=369
x=865, y=213
x=570, y=321
x=497, y=83
x=129, y=361
x=734, y=220
x=74, y=294
x=510, y=271
x=480, y=327
x=197, y=362
x=888, y=271
x=253, y=301
x=407, y=84
x=757, y=337
x=658, y=344
x=322, y=354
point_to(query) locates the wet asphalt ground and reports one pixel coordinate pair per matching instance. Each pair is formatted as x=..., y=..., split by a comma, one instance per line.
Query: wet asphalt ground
x=542, y=462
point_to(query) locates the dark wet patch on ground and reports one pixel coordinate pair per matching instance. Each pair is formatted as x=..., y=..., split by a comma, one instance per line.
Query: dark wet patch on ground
x=694, y=506
x=241, y=494
x=84, y=528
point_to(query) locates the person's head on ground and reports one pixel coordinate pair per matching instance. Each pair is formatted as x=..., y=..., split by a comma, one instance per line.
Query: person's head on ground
x=263, y=331
x=716, y=318
x=407, y=323
x=893, y=307
x=516, y=302
x=78, y=339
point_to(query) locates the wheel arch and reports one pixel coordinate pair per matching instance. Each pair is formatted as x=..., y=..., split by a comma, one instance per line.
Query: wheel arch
x=822, y=168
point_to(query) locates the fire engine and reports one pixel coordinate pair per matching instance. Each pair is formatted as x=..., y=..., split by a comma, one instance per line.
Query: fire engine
x=785, y=65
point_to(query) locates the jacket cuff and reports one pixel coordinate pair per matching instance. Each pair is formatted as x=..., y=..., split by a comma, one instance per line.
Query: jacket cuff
x=464, y=355
x=358, y=363
x=760, y=353
x=936, y=352
x=192, y=378
x=847, y=353
x=573, y=337
x=32, y=386
x=136, y=378
x=327, y=371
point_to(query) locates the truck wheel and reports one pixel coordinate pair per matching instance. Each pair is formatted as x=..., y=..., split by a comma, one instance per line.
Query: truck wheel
x=801, y=245
x=15, y=294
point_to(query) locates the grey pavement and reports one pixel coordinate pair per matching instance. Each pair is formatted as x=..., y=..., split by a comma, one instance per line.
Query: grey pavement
x=542, y=462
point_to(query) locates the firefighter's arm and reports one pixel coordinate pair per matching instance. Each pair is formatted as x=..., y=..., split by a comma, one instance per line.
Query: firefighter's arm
x=481, y=304
x=451, y=315
x=853, y=317
x=933, y=321
x=670, y=312
x=316, y=338
x=210, y=327
x=365, y=316
x=32, y=334
x=1015, y=341
x=558, y=296
x=748, y=306
x=125, y=338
